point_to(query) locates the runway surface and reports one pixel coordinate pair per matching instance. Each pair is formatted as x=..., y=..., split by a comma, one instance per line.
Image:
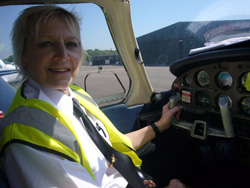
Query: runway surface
x=106, y=84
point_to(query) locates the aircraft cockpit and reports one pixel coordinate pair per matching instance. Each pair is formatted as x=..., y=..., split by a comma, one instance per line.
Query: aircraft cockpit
x=141, y=55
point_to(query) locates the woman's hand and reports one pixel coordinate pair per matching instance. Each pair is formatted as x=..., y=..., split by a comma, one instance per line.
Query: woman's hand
x=166, y=117
x=140, y=137
x=175, y=183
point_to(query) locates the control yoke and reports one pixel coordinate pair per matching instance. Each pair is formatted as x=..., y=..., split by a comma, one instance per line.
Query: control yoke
x=200, y=129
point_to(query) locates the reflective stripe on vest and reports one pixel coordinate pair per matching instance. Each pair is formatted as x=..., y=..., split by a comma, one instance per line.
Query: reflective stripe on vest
x=56, y=131
x=21, y=133
x=85, y=96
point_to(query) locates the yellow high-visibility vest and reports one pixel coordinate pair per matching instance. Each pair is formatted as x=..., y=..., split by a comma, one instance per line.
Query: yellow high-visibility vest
x=38, y=124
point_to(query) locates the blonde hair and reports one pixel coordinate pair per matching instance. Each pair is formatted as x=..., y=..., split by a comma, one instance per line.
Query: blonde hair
x=28, y=23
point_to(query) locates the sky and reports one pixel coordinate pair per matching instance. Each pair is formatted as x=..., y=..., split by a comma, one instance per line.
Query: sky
x=147, y=16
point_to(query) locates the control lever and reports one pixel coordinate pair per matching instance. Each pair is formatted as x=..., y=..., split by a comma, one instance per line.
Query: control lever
x=174, y=100
x=226, y=117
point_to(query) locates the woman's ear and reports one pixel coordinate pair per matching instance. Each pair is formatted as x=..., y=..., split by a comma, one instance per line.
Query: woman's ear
x=24, y=62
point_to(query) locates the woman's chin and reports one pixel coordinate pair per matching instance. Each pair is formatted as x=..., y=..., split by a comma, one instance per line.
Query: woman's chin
x=64, y=87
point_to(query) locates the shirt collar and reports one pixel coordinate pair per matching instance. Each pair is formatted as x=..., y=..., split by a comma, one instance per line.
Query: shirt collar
x=56, y=98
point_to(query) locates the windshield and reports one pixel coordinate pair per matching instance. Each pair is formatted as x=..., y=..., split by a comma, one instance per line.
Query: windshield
x=100, y=51
x=168, y=30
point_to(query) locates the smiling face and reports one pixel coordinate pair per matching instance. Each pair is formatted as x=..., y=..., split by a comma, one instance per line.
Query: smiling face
x=53, y=57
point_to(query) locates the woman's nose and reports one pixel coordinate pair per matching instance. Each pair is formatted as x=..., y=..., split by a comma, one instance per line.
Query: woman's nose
x=61, y=54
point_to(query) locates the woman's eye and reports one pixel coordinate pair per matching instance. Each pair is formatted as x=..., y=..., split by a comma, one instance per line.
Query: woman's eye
x=72, y=44
x=46, y=44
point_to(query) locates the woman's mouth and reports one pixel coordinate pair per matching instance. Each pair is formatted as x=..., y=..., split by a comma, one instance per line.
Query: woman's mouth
x=61, y=70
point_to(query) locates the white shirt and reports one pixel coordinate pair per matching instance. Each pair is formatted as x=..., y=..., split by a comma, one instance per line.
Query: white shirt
x=28, y=167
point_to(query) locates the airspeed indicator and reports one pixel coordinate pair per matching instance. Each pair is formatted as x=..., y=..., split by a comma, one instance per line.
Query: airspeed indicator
x=203, y=78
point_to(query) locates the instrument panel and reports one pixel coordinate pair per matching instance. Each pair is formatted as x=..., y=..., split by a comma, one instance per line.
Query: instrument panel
x=202, y=86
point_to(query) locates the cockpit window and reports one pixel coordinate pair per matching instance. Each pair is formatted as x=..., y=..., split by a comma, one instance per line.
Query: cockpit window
x=102, y=62
x=171, y=30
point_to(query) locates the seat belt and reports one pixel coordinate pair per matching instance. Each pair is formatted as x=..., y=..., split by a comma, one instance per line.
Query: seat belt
x=121, y=162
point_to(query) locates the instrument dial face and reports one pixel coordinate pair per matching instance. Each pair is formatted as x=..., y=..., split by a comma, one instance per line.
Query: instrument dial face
x=245, y=105
x=203, y=78
x=245, y=81
x=203, y=99
x=225, y=80
x=187, y=80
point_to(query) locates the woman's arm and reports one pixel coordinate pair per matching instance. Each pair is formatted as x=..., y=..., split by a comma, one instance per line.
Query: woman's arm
x=144, y=135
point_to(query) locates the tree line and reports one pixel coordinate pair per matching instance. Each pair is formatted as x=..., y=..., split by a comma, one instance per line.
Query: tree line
x=97, y=52
x=89, y=54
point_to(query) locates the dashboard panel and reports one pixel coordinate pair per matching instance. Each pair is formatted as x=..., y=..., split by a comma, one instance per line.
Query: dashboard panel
x=203, y=79
x=201, y=87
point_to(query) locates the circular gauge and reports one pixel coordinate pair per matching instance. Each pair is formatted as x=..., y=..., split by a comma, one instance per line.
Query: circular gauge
x=224, y=79
x=203, y=78
x=187, y=80
x=245, y=81
x=245, y=105
x=203, y=99
x=230, y=100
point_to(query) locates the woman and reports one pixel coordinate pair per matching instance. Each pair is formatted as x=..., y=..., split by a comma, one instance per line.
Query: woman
x=43, y=143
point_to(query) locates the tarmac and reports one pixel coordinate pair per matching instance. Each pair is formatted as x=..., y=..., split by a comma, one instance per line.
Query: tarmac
x=105, y=83
x=160, y=78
